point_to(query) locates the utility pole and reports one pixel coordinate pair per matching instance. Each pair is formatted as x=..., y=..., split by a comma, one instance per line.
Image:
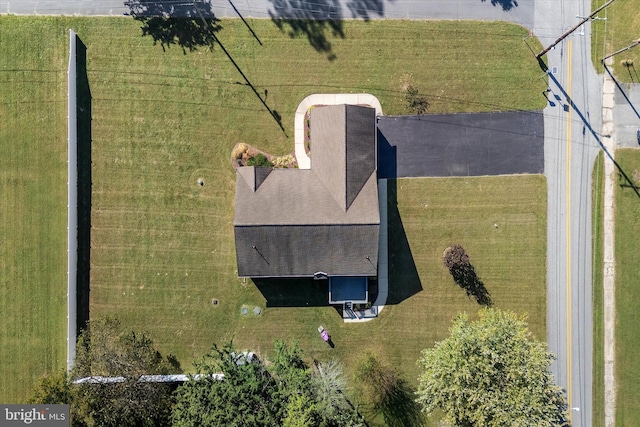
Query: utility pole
x=597, y=18
x=565, y=35
x=246, y=80
x=634, y=44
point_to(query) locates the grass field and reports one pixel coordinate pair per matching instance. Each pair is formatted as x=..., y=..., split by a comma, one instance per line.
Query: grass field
x=598, y=291
x=618, y=31
x=627, y=292
x=33, y=200
x=162, y=245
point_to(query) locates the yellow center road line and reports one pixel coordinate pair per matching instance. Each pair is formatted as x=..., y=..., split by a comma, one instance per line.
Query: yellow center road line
x=568, y=229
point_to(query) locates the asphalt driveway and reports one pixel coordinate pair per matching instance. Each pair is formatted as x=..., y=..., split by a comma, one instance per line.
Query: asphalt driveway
x=473, y=144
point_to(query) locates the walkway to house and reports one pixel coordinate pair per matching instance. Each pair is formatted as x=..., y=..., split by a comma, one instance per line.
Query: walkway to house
x=608, y=91
x=304, y=162
x=383, y=262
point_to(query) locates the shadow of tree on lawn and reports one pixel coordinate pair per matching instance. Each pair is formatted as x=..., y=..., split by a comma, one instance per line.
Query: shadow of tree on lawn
x=317, y=20
x=400, y=408
x=505, y=4
x=466, y=277
x=383, y=391
x=188, y=24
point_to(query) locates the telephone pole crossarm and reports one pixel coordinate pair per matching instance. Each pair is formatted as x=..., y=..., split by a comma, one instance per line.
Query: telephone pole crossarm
x=634, y=44
x=575, y=27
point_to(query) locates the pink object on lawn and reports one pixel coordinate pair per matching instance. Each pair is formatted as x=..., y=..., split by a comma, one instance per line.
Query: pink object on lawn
x=325, y=335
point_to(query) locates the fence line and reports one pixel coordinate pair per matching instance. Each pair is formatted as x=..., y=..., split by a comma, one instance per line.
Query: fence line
x=72, y=201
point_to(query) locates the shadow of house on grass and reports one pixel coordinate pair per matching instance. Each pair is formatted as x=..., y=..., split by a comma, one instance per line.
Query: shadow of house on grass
x=404, y=280
x=190, y=25
x=83, y=114
x=294, y=292
x=301, y=292
x=317, y=20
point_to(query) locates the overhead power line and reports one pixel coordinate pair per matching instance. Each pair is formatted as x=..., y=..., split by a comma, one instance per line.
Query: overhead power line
x=575, y=27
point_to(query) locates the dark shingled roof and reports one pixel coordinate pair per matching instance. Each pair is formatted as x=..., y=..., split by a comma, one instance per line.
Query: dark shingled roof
x=302, y=250
x=292, y=222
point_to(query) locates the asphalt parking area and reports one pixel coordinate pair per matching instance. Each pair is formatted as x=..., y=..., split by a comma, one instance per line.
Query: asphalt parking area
x=463, y=144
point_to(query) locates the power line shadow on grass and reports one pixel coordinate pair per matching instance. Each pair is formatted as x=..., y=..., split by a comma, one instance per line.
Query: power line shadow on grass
x=190, y=25
x=317, y=20
x=255, y=36
x=627, y=182
x=626, y=97
x=83, y=123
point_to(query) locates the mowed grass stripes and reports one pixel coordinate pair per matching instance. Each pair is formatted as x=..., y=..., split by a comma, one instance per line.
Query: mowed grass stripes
x=162, y=245
x=33, y=203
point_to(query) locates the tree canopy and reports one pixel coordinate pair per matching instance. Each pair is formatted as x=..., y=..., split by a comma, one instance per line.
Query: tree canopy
x=52, y=389
x=231, y=389
x=243, y=398
x=457, y=260
x=105, y=350
x=289, y=393
x=491, y=372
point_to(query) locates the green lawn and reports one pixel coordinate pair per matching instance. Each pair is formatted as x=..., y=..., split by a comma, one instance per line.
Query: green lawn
x=33, y=204
x=627, y=292
x=617, y=32
x=162, y=245
x=598, y=303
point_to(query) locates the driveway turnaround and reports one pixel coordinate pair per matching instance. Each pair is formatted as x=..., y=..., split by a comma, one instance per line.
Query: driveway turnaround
x=461, y=144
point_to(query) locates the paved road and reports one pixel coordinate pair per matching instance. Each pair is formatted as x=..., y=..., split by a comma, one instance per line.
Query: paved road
x=461, y=144
x=570, y=149
x=501, y=10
